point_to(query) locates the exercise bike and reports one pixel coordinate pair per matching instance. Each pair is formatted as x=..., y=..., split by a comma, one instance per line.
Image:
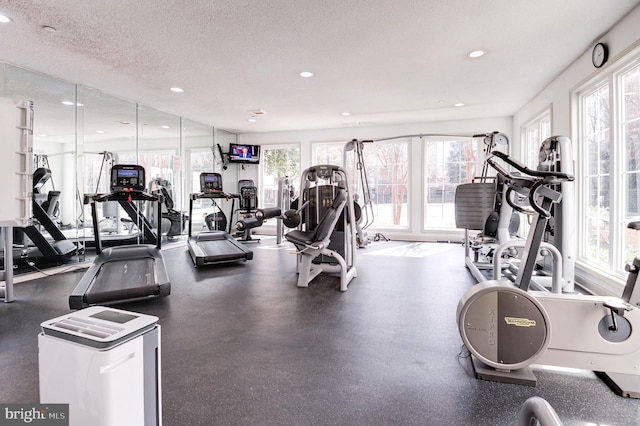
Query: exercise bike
x=507, y=327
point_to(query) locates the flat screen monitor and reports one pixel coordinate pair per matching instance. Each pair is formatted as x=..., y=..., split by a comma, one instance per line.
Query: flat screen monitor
x=127, y=177
x=210, y=183
x=246, y=154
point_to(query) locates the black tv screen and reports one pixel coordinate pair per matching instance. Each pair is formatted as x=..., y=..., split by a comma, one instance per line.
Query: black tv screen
x=246, y=154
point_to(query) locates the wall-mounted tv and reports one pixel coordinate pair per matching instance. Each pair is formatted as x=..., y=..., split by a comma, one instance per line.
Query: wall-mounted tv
x=246, y=154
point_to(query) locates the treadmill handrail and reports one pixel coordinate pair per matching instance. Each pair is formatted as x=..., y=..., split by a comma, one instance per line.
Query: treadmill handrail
x=210, y=195
x=215, y=194
x=127, y=195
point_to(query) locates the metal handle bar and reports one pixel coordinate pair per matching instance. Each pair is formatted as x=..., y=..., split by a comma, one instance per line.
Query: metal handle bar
x=548, y=177
x=514, y=206
x=128, y=195
x=528, y=183
x=518, y=181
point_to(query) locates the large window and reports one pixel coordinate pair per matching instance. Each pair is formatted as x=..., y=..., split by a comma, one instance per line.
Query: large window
x=200, y=161
x=630, y=129
x=388, y=169
x=447, y=163
x=387, y=166
x=329, y=153
x=278, y=162
x=596, y=181
x=609, y=150
x=534, y=132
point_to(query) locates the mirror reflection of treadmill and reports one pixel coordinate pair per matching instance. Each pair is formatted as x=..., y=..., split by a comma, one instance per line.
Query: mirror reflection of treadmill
x=123, y=273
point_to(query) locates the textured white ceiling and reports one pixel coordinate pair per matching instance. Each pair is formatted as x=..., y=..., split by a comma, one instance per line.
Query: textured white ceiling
x=383, y=61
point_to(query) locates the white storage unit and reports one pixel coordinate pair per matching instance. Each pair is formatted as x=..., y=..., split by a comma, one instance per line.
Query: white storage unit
x=104, y=363
x=16, y=161
x=16, y=164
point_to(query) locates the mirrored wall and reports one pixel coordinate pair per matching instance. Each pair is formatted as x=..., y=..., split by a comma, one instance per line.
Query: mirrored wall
x=79, y=133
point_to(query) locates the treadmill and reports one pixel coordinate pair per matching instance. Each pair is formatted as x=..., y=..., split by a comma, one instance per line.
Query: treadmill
x=123, y=273
x=217, y=246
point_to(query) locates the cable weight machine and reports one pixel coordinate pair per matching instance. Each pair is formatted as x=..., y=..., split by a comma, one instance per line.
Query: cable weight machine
x=361, y=189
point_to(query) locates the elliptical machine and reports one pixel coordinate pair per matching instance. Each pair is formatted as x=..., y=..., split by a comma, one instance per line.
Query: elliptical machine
x=508, y=327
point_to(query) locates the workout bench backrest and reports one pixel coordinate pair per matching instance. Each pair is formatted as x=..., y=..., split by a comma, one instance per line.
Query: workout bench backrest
x=328, y=221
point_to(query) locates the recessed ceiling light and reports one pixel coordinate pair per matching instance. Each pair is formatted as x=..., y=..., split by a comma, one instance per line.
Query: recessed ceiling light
x=252, y=120
x=4, y=19
x=459, y=104
x=67, y=103
x=177, y=89
x=306, y=74
x=42, y=135
x=476, y=53
x=165, y=126
x=345, y=113
x=100, y=131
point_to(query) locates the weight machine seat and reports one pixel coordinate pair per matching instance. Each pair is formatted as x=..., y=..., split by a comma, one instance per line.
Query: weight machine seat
x=325, y=227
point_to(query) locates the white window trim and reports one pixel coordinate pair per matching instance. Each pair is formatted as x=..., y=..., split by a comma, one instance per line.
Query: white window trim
x=546, y=113
x=596, y=278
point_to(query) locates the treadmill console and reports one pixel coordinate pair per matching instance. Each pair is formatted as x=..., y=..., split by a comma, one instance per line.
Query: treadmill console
x=210, y=183
x=127, y=177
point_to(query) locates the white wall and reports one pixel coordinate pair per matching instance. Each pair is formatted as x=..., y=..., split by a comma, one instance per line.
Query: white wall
x=620, y=39
x=304, y=139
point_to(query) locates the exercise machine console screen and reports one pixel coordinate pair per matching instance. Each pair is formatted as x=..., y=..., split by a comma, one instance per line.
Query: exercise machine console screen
x=210, y=183
x=127, y=178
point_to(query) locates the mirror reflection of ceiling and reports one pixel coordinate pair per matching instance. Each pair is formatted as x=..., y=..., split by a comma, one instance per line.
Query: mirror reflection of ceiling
x=383, y=62
x=101, y=117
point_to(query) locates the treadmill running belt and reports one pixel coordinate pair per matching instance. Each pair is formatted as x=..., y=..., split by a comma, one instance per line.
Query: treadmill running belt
x=214, y=251
x=123, y=279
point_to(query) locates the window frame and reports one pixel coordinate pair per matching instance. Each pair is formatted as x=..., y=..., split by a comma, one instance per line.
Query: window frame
x=261, y=169
x=531, y=147
x=406, y=215
x=478, y=149
x=609, y=275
